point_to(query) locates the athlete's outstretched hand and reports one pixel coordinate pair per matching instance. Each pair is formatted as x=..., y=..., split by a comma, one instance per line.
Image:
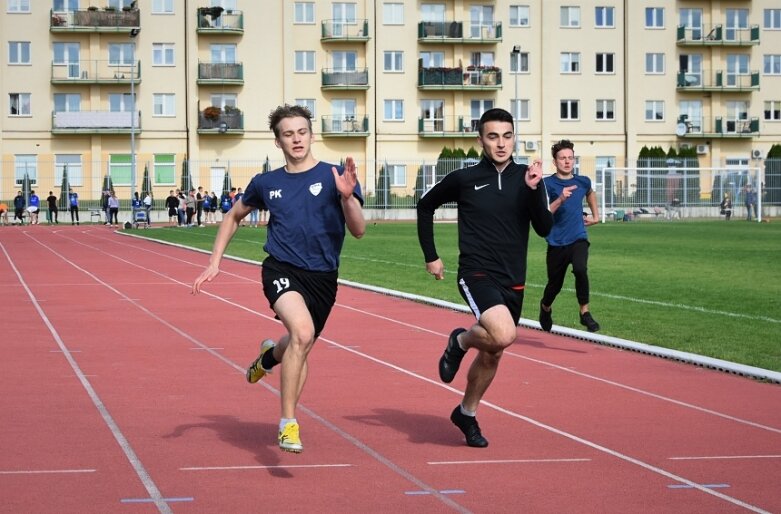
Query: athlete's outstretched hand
x=534, y=174
x=208, y=275
x=345, y=182
x=436, y=268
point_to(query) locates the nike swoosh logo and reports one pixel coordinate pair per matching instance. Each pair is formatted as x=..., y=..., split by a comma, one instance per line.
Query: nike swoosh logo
x=478, y=188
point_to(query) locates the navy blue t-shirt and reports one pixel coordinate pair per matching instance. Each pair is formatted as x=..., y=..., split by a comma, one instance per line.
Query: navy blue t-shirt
x=306, y=222
x=568, y=225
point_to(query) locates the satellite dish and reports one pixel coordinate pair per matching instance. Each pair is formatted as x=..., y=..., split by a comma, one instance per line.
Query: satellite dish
x=680, y=129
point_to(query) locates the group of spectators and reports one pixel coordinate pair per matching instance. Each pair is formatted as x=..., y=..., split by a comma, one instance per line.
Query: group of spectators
x=199, y=208
x=33, y=208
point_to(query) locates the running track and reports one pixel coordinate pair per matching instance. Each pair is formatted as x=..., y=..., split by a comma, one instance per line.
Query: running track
x=121, y=392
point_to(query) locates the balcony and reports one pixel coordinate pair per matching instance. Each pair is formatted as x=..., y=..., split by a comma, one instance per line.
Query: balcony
x=448, y=126
x=453, y=32
x=95, y=20
x=471, y=78
x=94, y=122
x=230, y=122
x=719, y=81
x=345, y=79
x=95, y=72
x=717, y=35
x=344, y=126
x=221, y=73
x=338, y=31
x=705, y=127
x=219, y=21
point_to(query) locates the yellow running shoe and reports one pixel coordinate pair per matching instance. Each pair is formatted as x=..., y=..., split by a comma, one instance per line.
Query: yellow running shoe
x=289, y=440
x=255, y=371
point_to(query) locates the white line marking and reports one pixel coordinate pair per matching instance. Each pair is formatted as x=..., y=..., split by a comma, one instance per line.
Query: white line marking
x=208, y=348
x=720, y=457
x=511, y=461
x=45, y=471
x=240, y=468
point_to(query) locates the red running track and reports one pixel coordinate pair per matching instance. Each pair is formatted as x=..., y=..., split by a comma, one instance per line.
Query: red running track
x=124, y=393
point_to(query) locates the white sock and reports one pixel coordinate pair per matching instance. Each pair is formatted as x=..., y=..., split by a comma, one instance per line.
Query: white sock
x=459, y=342
x=469, y=413
x=285, y=421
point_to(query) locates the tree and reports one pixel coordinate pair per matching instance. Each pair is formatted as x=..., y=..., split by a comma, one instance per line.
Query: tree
x=146, y=183
x=266, y=165
x=226, y=182
x=187, y=180
x=772, y=188
x=62, y=203
x=108, y=184
x=383, y=188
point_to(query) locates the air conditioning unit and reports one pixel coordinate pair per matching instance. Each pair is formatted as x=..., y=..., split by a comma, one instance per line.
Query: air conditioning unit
x=702, y=149
x=756, y=153
x=531, y=146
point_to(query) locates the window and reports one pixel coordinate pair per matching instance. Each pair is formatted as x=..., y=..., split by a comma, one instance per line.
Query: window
x=65, y=53
x=120, y=54
x=164, y=169
x=394, y=110
x=604, y=17
x=654, y=17
x=654, y=64
x=432, y=59
x=393, y=60
x=304, y=13
x=344, y=61
x=433, y=114
x=606, y=109
x=225, y=54
x=18, y=6
x=19, y=104
x=309, y=103
x=570, y=62
x=654, y=110
x=305, y=61
x=519, y=15
x=162, y=6
x=164, y=104
x=25, y=164
x=772, y=64
x=432, y=12
x=162, y=54
x=67, y=102
x=481, y=21
x=570, y=16
x=116, y=4
x=65, y=5
x=691, y=19
x=119, y=102
x=344, y=13
x=19, y=52
x=772, y=19
x=737, y=66
x=519, y=62
x=773, y=110
x=71, y=164
x=119, y=169
x=520, y=109
x=569, y=109
x=223, y=100
x=690, y=113
x=605, y=63
x=737, y=25
x=397, y=174
x=393, y=13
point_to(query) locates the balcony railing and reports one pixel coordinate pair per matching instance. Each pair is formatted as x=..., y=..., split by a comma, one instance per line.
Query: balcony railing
x=346, y=126
x=228, y=21
x=225, y=123
x=454, y=32
x=95, y=20
x=345, y=79
x=95, y=72
x=718, y=81
x=717, y=35
x=448, y=126
x=338, y=30
x=95, y=122
x=472, y=77
x=717, y=127
x=220, y=73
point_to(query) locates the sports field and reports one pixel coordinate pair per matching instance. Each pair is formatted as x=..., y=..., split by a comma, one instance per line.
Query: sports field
x=710, y=288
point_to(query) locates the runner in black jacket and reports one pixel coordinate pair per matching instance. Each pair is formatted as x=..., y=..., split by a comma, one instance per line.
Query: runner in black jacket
x=497, y=200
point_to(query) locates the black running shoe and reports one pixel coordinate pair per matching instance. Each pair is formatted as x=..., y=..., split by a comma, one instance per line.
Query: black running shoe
x=546, y=318
x=451, y=358
x=589, y=322
x=468, y=425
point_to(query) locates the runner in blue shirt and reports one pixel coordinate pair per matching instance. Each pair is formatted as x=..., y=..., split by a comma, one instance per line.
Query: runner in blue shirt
x=73, y=206
x=310, y=202
x=568, y=240
x=34, y=208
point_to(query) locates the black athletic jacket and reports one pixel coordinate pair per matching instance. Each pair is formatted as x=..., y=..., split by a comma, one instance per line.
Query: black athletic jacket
x=494, y=212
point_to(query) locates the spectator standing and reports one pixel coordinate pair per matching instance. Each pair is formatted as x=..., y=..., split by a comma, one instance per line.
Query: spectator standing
x=19, y=204
x=190, y=204
x=113, y=208
x=34, y=208
x=750, y=199
x=4, y=213
x=73, y=206
x=172, y=204
x=148, y=208
x=52, y=210
x=725, y=207
x=199, y=199
x=104, y=205
x=215, y=202
x=182, y=209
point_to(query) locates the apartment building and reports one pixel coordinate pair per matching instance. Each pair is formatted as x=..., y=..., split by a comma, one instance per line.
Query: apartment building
x=163, y=88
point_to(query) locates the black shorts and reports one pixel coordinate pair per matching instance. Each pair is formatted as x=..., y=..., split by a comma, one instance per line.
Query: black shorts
x=481, y=292
x=172, y=211
x=317, y=287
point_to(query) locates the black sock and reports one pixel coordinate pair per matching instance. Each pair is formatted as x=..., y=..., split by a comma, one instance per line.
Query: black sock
x=268, y=361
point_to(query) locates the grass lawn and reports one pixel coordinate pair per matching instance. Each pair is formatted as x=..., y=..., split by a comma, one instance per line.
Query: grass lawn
x=710, y=288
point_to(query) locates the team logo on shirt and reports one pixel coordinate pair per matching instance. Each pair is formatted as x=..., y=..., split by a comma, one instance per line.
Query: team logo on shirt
x=316, y=188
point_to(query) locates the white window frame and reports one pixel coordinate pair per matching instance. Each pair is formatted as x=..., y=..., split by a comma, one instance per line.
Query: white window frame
x=166, y=162
x=393, y=13
x=65, y=6
x=309, y=103
x=120, y=54
x=163, y=105
x=519, y=62
x=120, y=102
x=393, y=61
x=18, y=6
x=26, y=163
x=604, y=17
x=569, y=17
x=432, y=59
x=520, y=16
x=570, y=62
x=304, y=61
x=20, y=47
x=606, y=110
x=223, y=53
x=654, y=17
x=397, y=174
x=772, y=110
x=223, y=100
x=162, y=6
x=569, y=104
x=771, y=19
x=23, y=104
x=771, y=64
x=304, y=13
x=654, y=110
x=75, y=170
x=654, y=63
x=71, y=102
x=608, y=62
x=520, y=109
x=163, y=54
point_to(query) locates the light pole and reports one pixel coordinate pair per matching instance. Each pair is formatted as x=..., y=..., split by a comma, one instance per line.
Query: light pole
x=133, y=34
x=515, y=55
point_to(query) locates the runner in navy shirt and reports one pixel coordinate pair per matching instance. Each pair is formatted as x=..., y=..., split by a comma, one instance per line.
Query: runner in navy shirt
x=310, y=202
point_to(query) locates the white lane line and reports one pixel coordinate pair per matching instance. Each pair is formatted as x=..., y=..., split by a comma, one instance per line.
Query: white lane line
x=727, y=457
x=509, y=461
x=241, y=468
x=45, y=471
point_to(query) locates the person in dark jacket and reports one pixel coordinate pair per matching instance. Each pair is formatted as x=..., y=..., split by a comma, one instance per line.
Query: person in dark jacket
x=497, y=201
x=19, y=204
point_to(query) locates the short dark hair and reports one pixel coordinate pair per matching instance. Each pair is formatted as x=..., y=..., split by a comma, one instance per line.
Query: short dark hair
x=561, y=145
x=288, y=111
x=495, y=114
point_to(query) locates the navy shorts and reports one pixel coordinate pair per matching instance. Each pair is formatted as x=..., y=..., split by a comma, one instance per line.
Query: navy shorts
x=317, y=287
x=481, y=292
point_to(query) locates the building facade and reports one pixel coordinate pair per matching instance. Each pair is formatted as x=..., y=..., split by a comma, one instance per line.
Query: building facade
x=171, y=88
